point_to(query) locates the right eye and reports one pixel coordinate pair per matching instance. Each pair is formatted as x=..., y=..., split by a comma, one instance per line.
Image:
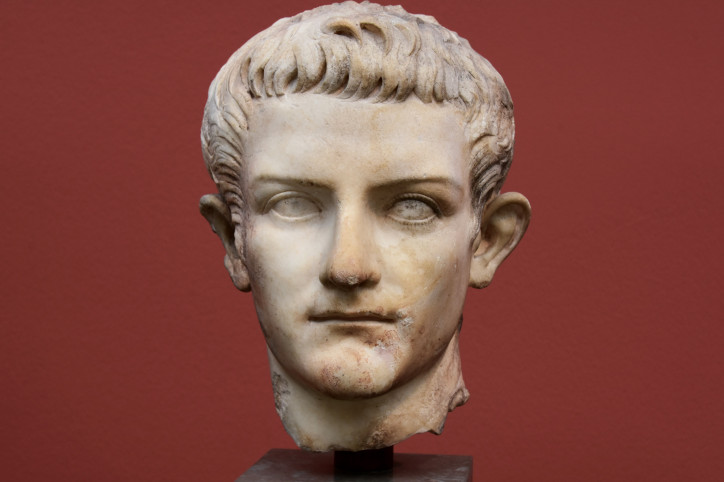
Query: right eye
x=414, y=210
x=293, y=206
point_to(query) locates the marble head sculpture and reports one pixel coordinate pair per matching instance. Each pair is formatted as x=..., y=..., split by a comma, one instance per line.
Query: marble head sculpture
x=359, y=153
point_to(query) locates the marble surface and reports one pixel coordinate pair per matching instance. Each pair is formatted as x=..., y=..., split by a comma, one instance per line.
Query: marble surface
x=359, y=153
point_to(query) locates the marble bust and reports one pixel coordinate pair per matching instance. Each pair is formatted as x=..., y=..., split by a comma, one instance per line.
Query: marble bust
x=359, y=153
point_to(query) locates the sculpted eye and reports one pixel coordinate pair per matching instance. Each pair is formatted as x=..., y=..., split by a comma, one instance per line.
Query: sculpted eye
x=293, y=206
x=414, y=210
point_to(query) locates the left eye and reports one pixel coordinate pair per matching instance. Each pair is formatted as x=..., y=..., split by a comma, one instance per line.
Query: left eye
x=293, y=206
x=412, y=210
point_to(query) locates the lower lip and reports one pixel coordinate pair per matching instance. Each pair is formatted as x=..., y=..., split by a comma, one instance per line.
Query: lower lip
x=369, y=330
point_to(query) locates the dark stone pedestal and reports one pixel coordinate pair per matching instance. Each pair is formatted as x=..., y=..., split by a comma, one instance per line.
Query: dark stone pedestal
x=280, y=465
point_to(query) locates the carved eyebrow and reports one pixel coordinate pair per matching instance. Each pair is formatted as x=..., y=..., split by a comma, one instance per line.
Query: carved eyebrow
x=441, y=181
x=288, y=181
x=447, y=183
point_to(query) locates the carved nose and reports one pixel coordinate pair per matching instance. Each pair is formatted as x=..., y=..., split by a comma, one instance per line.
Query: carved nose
x=349, y=278
x=352, y=260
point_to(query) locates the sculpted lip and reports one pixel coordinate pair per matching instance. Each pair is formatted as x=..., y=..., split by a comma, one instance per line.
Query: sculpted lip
x=351, y=316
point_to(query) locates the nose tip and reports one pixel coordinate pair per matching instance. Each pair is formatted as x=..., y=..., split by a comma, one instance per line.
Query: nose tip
x=351, y=261
x=349, y=278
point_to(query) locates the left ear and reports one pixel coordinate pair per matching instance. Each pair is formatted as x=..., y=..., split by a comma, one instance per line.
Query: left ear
x=504, y=222
x=217, y=213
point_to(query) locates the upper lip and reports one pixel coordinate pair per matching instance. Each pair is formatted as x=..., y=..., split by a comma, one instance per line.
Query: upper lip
x=363, y=315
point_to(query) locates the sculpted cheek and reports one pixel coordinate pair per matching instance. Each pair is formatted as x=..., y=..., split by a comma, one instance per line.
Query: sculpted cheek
x=409, y=268
x=388, y=347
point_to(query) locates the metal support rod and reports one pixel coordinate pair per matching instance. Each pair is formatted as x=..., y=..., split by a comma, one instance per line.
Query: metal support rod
x=363, y=461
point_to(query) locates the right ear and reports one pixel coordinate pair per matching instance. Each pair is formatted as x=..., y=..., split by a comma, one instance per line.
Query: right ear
x=216, y=212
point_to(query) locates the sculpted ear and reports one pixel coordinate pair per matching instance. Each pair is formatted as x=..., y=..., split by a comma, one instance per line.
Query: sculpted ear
x=502, y=227
x=216, y=212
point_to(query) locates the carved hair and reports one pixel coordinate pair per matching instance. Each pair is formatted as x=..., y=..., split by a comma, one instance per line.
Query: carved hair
x=359, y=51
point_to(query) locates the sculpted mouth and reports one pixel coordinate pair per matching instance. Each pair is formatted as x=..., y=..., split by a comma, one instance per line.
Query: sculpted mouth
x=351, y=317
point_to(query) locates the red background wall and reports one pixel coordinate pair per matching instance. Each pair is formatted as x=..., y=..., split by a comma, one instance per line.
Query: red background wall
x=126, y=353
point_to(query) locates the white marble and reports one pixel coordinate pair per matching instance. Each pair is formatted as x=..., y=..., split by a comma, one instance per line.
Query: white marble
x=358, y=199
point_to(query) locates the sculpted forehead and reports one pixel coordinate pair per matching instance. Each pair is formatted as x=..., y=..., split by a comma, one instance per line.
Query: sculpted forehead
x=423, y=140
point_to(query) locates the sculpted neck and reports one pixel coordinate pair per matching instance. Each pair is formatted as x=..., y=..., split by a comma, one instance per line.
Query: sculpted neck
x=319, y=423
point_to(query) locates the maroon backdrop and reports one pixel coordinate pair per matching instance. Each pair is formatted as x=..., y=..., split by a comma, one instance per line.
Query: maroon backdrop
x=126, y=353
